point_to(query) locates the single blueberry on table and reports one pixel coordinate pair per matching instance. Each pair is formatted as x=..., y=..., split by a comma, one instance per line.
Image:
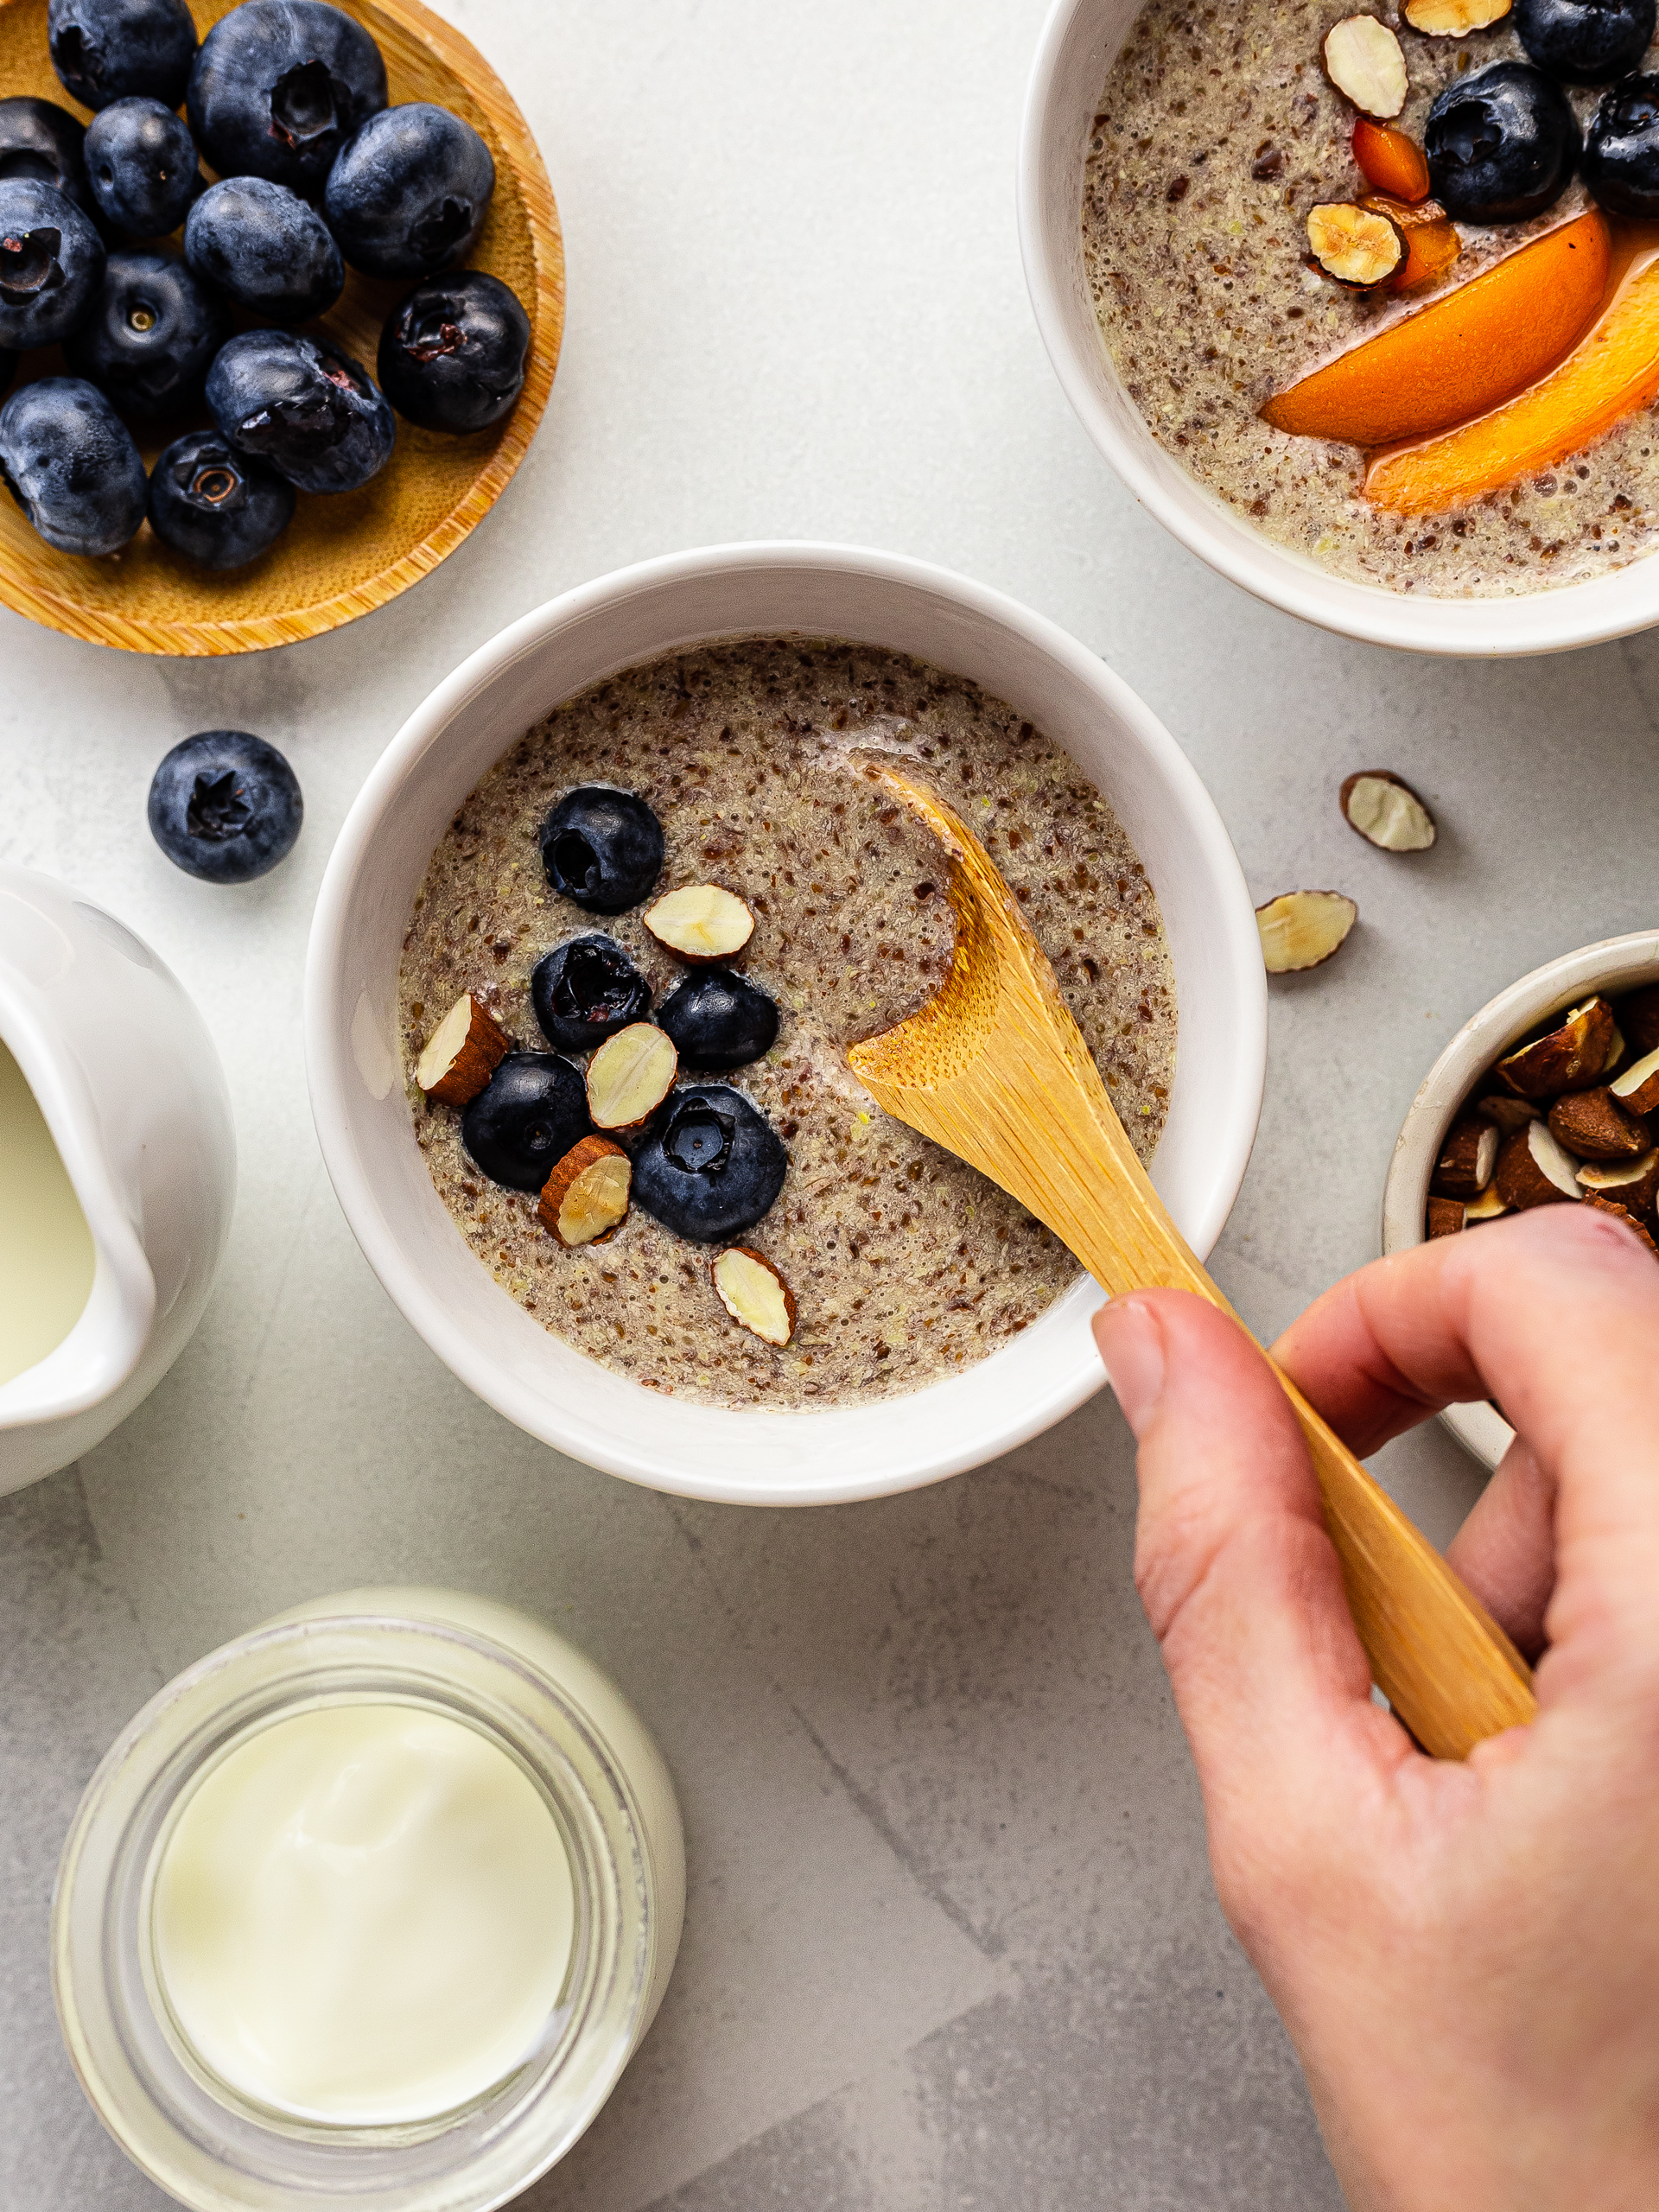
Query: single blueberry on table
x=602, y=847
x=1621, y=154
x=584, y=991
x=302, y=406
x=1586, y=41
x=528, y=1115
x=225, y=806
x=409, y=192
x=266, y=248
x=718, y=1018
x=41, y=140
x=69, y=461
x=215, y=506
x=106, y=50
x=279, y=86
x=712, y=1165
x=151, y=333
x=141, y=166
x=51, y=264
x=1502, y=144
x=452, y=356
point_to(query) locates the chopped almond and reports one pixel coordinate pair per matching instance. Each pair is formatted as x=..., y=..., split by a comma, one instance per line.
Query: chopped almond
x=1631, y=1183
x=1391, y=162
x=701, y=923
x=630, y=1076
x=1507, y=1112
x=587, y=1195
x=1360, y=247
x=1468, y=1159
x=1637, y=1089
x=1593, y=1125
x=1487, y=1207
x=1363, y=61
x=463, y=1053
x=1446, y=1217
x=1454, y=18
x=1571, y=1058
x=1611, y=1205
x=1302, y=929
x=1533, y=1171
x=755, y=1294
x=1387, y=812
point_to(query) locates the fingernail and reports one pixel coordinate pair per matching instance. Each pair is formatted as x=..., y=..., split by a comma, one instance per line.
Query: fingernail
x=1132, y=1346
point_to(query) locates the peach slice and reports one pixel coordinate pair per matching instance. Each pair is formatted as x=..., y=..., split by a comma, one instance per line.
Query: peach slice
x=1611, y=373
x=1390, y=161
x=1463, y=354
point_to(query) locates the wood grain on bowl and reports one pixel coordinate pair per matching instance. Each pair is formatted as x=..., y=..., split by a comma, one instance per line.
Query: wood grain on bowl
x=342, y=555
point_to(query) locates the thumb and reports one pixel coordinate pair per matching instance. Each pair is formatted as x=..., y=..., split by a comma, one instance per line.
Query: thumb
x=1239, y=1579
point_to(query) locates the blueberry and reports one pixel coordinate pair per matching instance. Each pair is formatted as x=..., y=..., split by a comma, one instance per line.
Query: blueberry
x=585, y=991
x=152, y=332
x=1502, y=144
x=225, y=806
x=106, y=50
x=141, y=165
x=718, y=1018
x=1621, y=154
x=452, y=358
x=279, y=86
x=1586, y=41
x=69, y=461
x=711, y=1165
x=262, y=244
x=41, y=140
x=215, y=506
x=528, y=1115
x=409, y=192
x=602, y=847
x=301, y=406
x=51, y=264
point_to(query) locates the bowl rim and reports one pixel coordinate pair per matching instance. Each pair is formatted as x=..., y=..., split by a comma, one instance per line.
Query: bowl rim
x=1529, y=624
x=209, y=638
x=330, y=1050
x=1613, y=963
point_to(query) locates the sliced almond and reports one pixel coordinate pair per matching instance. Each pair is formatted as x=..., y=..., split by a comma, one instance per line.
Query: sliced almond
x=1637, y=1089
x=1363, y=61
x=1570, y=1057
x=755, y=1294
x=1302, y=929
x=1533, y=1171
x=1454, y=18
x=463, y=1053
x=701, y=923
x=1446, y=1217
x=1468, y=1159
x=1359, y=246
x=1632, y=1182
x=1611, y=1205
x=630, y=1076
x=1506, y=1112
x=1487, y=1207
x=1638, y=1017
x=1387, y=812
x=587, y=1195
x=1593, y=1125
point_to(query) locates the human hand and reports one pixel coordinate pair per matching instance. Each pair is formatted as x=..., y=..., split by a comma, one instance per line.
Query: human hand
x=1466, y=1956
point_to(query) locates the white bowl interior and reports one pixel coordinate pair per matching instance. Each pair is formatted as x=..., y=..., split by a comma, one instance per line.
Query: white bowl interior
x=1079, y=43
x=363, y=1120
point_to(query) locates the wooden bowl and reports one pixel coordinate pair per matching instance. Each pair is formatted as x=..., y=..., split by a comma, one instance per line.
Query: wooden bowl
x=343, y=555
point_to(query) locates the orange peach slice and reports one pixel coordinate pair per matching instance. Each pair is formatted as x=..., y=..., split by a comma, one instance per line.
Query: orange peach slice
x=1614, y=372
x=1390, y=161
x=1463, y=354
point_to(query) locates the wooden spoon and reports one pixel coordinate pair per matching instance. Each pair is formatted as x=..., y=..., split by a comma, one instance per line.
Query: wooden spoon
x=994, y=1069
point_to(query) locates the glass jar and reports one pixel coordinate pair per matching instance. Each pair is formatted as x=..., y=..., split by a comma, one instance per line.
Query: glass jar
x=528, y=1693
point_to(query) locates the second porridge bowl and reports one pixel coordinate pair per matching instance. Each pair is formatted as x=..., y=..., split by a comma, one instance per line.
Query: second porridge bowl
x=1080, y=40
x=728, y=609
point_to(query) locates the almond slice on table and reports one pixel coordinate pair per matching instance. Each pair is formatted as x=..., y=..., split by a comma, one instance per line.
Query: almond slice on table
x=701, y=922
x=1386, y=811
x=1468, y=1160
x=1611, y=1205
x=1454, y=18
x=1637, y=1089
x=1302, y=929
x=463, y=1053
x=1571, y=1058
x=1593, y=1125
x=1487, y=1207
x=1363, y=61
x=1633, y=1184
x=1533, y=1171
x=1446, y=1217
x=585, y=1196
x=1360, y=247
x=630, y=1076
x=755, y=1294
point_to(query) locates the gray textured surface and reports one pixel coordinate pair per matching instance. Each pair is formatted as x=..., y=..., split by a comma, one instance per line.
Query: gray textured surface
x=951, y=1940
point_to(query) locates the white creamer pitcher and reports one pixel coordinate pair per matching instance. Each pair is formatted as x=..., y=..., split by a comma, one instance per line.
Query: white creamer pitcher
x=127, y=1081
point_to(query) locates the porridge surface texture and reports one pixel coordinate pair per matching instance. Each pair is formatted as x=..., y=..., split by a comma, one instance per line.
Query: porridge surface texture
x=1217, y=132
x=906, y=1264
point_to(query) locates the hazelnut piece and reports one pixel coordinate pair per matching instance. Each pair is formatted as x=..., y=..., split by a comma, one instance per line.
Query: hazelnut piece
x=630, y=1076
x=585, y=1196
x=1593, y=1125
x=755, y=1294
x=462, y=1054
x=701, y=922
x=1637, y=1089
x=1573, y=1057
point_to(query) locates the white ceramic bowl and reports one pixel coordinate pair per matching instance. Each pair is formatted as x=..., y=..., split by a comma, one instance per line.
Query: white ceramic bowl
x=1617, y=964
x=1080, y=41
x=357, y=1086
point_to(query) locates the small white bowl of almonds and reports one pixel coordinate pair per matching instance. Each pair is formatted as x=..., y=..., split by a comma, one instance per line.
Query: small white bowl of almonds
x=1549, y=1096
